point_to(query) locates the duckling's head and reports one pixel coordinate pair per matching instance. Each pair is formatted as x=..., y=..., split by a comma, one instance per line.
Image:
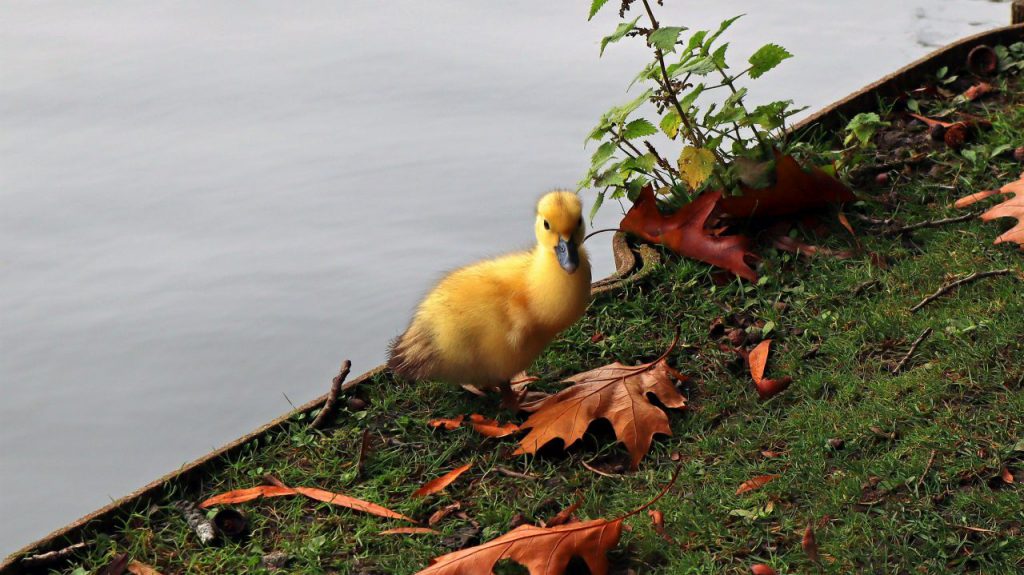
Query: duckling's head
x=559, y=227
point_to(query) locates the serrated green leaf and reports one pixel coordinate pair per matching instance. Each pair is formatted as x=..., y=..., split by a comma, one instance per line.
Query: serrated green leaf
x=613, y=177
x=736, y=97
x=603, y=153
x=650, y=71
x=721, y=28
x=620, y=113
x=719, y=57
x=696, y=165
x=766, y=58
x=620, y=31
x=727, y=115
x=637, y=129
x=696, y=40
x=595, y=7
x=596, y=206
x=701, y=66
x=643, y=164
x=670, y=124
x=686, y=101
x=665, y=38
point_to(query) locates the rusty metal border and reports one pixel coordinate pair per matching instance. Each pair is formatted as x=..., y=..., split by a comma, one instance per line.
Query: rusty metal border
x=828, y=118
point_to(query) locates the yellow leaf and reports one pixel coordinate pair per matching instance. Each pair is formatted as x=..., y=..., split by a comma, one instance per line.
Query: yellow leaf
x=696, y=165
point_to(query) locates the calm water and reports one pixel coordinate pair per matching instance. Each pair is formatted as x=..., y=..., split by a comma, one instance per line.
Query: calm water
x=206, y=206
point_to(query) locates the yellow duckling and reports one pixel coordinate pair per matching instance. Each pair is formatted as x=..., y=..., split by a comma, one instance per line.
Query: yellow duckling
x=486, y=322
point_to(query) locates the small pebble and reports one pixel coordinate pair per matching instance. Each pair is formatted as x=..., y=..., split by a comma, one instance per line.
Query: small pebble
x=355, y=404
x=882, y=179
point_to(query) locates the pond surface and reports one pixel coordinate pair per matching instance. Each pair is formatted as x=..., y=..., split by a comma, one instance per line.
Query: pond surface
x=204, y=208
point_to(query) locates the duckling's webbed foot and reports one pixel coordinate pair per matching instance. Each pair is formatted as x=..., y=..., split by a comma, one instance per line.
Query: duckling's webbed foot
x=516, y=397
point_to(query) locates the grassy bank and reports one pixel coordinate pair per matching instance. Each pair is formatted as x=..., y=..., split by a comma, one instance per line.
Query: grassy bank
x=897, y=473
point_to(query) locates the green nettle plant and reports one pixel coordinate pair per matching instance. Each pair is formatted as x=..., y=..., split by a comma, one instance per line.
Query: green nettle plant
x=720, y=145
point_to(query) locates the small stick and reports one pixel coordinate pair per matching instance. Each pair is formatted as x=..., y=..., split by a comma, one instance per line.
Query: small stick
x=52, y=557
x=950, y=287
x=598, y=471
x=272, y=480
x=197, y=520
x=931, y=224
x=513, y=473
x=913, y=347
x=927, y=468
x=865, y=286
x=332, y=398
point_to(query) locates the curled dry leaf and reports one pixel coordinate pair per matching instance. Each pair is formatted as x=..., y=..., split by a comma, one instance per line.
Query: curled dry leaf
x=1011, y=208
x=809, y=543
x=443, y=512
x=409, y=531
x=435, y=485
x=563, y=516
x=757, y=359
x=541, y=550
x=754, y=483
x=658, y=520
x=761, y=569
x=684, y=232
x=978, y=90
x=446, y=423
x=491, y=427
x=1007, y=476
x=615, y=392
x=241, y=495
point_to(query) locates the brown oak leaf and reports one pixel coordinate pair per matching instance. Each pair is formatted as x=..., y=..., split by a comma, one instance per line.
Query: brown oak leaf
x=541, y=550
x=615, y=392
x=684, y=232
x=795, y=190
x=757, y=359
x=1011, y=208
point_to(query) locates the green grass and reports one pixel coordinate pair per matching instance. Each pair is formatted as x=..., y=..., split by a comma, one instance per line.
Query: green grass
x=915, y=488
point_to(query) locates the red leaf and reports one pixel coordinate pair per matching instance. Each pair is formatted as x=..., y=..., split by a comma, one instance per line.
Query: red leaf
x=754, y=483
x=794, y=191
x=243, y=495
x=492, y=428
x=409, y=531
x=1007, y=476
x=978, y=90
x=446, y=423
x=684, y=232
x=766, y=388
x=762, y=569
x=810, y=544
x=435, y=485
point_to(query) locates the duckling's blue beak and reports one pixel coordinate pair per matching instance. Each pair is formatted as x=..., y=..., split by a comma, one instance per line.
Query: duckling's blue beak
x=568, y=255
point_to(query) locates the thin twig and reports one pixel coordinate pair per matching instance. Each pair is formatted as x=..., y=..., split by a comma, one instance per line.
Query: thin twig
x=910, y=352
x=513, y=473
x=927, y=468
x=337, y=386
x=52, y=557
x=598, y=471
x=930, y=224
x=952, y=286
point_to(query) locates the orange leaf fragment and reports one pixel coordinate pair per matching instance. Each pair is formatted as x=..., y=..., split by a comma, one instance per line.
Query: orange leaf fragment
x=446, y=423
x=243, y=495
x=442, y=513
x=762, y=569
x=754, y=483
x=541, y=550
x=658, y=520
x=563, y=516
x=684, y=232
x=1011, y=208
x=1007, y=476
x=435, y=485
x=757, y=359
x=810, y=544
x=409, y=531
x=350, y=502
x=615, y=392
x=978, y=90
x=491, y=427
x=139, y=568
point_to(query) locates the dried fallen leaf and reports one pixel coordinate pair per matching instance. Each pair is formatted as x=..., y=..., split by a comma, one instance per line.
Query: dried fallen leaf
x=563, y=516
x=658, y=520
x=435, y=485
x=409, y=531
x=795, y=190
x=442, y=513
x=615, y=392
x=446, y=423
x=754, y=483
x=1007, y=476
x=139, y=568
x=758, y=358
x=543, y=551
x=684, y=232
x=810, y=544
x=116, y=566
x=762, y=569
x=1011, y=208
x=241, y=495
x=490, y=427
x=978, y=90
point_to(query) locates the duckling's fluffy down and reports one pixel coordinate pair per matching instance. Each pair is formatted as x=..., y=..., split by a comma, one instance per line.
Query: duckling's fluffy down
x=486, y=322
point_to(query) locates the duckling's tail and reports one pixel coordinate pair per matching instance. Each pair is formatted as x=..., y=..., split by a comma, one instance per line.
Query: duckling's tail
x=410, y=355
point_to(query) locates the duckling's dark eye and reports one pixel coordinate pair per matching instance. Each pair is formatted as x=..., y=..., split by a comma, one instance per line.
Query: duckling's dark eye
x=547, y=226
